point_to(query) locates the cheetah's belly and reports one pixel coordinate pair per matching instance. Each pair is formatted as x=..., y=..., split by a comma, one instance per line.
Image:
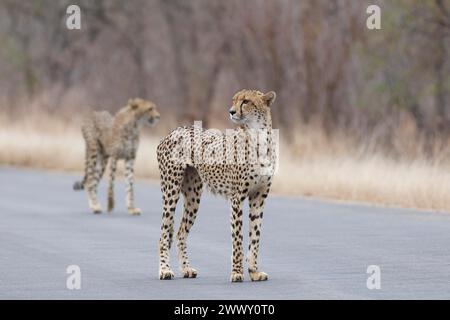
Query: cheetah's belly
x=127, y=149
x=217, y=178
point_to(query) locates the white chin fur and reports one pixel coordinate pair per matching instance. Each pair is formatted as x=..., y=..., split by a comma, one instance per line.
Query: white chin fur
x=237, y=121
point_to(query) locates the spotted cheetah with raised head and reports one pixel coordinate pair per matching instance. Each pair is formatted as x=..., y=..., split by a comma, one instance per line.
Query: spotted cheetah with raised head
x=237, y=165
x=116, y=138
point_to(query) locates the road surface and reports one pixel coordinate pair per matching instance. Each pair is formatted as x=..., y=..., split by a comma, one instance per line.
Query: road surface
x=310, y=249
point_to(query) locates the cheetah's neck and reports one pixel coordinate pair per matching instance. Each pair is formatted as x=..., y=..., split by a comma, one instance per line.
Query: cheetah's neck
x=260, y=138
x=126, y=124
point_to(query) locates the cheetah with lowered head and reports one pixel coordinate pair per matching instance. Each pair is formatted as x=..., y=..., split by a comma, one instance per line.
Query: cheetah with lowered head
x=116, y=138
x=237, y=165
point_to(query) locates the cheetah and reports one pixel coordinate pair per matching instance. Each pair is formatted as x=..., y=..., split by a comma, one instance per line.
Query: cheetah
x=237, y=165
x=116, y=138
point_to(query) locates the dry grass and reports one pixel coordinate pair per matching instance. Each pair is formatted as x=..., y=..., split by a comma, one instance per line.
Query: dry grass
x=314, y=167
x=374, y=179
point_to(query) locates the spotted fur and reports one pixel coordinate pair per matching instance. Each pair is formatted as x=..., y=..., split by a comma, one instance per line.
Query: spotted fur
x=115, y=138
x=190, y=158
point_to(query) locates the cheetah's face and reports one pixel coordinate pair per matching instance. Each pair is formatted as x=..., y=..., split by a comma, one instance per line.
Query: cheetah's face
x=145, y=111
x=251, y=106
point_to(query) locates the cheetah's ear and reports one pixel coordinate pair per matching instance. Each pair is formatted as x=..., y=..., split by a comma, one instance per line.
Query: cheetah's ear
x=133, y=104
x=269, y=98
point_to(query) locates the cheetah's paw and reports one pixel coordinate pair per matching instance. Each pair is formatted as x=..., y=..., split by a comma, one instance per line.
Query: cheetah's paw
x=134, y=211
x=189, y=273
x=166, y=274
x=96, y=209
x=236, y=277
x=258, y=276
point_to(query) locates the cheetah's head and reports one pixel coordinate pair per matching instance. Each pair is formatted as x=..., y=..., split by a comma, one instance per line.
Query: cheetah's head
x=251, y=107
x=144, y=110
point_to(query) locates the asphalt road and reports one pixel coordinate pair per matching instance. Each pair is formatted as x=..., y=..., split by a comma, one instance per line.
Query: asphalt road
x=310, y=249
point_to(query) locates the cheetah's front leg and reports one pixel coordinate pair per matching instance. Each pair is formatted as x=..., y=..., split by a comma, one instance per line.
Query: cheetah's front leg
x=237, y=268
x=256, y=204
x=129, y=177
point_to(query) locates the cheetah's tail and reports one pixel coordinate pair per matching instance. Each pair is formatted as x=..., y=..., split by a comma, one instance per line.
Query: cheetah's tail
x=78, y=185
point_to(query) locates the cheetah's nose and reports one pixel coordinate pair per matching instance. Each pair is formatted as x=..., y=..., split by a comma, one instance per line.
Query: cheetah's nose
x=232, y=111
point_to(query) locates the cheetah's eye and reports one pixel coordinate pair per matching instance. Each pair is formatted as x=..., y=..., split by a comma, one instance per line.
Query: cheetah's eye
x=245, y=101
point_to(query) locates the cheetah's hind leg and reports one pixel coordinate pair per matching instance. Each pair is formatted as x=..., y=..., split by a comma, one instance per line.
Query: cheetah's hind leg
x=191, y=188
x=92, y=178
x=79, y=185
x=171, y=187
